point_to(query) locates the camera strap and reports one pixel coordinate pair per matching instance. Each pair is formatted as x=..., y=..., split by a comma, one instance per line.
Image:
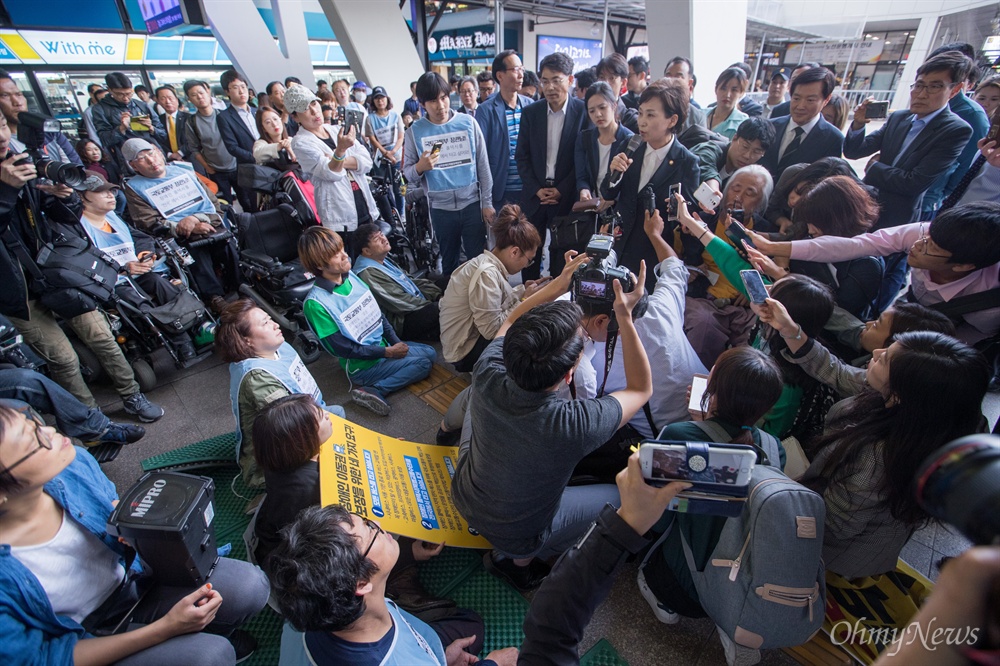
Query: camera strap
x=609, y=352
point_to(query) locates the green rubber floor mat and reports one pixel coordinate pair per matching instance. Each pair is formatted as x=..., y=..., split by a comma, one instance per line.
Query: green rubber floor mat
x=213, y=452
x=602, y=654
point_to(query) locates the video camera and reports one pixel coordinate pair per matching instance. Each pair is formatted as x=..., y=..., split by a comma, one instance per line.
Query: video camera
x=31, y=129
x=594, y=282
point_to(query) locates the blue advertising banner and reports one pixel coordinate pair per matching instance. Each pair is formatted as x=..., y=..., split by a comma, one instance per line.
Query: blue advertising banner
x=584, y=52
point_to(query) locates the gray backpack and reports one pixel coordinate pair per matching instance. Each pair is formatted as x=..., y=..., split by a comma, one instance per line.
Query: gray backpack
x=765, y=582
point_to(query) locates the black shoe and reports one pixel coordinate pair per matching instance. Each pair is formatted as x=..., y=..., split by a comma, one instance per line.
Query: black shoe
x=244, y=643
x=121, y=433
x=186, y=351
x=448, y=437
x=524, y=579
x=404, y=587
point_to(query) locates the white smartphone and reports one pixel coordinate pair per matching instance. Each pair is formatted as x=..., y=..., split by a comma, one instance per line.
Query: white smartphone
x=728, y=466
x=698, y=385
x=707, y=197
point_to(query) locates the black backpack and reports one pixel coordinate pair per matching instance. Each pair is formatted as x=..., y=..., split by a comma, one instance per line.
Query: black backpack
x=78, y=277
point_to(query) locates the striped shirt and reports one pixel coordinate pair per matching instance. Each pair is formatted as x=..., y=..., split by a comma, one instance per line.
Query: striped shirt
x=513, y=129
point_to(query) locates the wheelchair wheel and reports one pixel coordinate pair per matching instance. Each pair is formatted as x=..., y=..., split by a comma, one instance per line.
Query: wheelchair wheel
x=145, y=376
x=90, y=366
x=307, y=346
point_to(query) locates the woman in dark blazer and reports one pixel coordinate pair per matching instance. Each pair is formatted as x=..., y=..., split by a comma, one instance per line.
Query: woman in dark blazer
x=594, y=150
x=663, y=107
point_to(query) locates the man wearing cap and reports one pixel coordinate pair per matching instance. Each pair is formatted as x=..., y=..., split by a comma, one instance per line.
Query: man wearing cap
x=171, y=194
x=120, y=117
x=776, y=88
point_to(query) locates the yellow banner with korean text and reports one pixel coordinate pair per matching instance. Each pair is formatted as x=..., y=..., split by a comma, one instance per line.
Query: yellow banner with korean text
x=404, y=485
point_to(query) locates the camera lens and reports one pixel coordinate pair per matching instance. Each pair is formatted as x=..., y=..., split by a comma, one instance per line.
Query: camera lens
x=960, y=484
x=65, y=173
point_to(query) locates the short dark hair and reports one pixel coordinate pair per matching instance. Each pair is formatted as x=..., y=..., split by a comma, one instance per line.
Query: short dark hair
x=674, y=97
x=530, y=79
x=430, y=86
x=593, y=308
x=838, y=206
x=162, y=88
x=731, y=74
x=955, y=63
x=639, y=64
x=971, y=232
x=91, y=87
x=821, y=74
x=362, y=236
x=484, y=76
x=292, y=79
x=543, y=345
x=321, y=82
x=229, y=76
x=679, y=59
x=756, y=128
x=193, y=83
x=557, y=62
x=270, y=86
x=454, y=78
x=586, y=78
x=140, y=89
x=232, y=336
x=498, y=65
x=286, y=433
x=7, y=417
x=604, y=90
x=114, y=80
x=512, y=228
x=745, y=67
x=745, y=383
x=315, y=570
x=614, y=64
x=908, y=317
x=317, y=245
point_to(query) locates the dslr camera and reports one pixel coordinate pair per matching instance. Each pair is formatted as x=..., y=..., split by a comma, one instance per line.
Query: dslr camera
x=593, y=282
x=31, y=129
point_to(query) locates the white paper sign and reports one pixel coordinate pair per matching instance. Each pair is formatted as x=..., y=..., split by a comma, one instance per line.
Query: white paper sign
x=303, y=378
x=175, y=195
x=363, y=318
x=123, y=253
x=386, y=136
x=456, y=149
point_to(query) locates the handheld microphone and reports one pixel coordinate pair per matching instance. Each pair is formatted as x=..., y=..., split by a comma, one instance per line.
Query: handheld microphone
x=633, y=145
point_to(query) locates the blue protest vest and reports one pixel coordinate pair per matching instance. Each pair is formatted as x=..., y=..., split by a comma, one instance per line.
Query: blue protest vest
x=356, y=314
x=392, y=270
x=385, y=128
x=287, y=368
x=459, y=135
x=414, y=643
x=176, y=195
x=117, y=244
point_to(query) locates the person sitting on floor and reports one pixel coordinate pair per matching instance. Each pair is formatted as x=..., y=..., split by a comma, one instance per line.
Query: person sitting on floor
x=262, y=368
x=410, y=304
x=344, y=315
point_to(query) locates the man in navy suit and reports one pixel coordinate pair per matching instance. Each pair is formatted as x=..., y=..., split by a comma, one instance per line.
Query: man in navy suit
x=499, y=116
x=238, y=129
x=785, y=108
x=804, y=136
x=545, y=152
x=916, y=146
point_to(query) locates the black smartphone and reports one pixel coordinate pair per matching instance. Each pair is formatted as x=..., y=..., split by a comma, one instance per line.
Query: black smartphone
x=649, y=200
x=436, y=147
x=994, y=132
x=672, y=202
x=755, y=286
x=877, y=110
x=341, y=112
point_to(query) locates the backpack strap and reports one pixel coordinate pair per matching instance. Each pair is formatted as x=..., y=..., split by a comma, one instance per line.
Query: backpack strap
x=714, y=431
x=719, y=435
x=956, y=308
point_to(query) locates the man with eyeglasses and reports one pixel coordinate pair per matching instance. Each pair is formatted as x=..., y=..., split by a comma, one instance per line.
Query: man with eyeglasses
x=545, y=153
x=718, y=162
x=916, y=146
x=120, y=117
x=804, y=136
x=238, y=128
x=328, y=578
x=13, y=102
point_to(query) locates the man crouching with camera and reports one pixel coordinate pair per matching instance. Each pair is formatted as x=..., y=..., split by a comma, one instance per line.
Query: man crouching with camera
x=521, y=439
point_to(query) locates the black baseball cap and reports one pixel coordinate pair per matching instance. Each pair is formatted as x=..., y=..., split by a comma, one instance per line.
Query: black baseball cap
x=783, y=72
x=379, y=91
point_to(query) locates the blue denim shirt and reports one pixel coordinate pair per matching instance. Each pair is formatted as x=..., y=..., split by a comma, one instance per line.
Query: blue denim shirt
x=32, y=632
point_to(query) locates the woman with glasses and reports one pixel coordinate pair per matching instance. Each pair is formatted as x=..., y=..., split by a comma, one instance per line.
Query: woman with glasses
x=479, y=297
x=329, y=577
x=62, y=576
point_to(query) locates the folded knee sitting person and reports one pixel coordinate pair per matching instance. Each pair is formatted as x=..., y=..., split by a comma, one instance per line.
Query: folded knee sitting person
x=520, y=433
x=479, y=297
x=262, y=368
x=61, y=570
x=342, y=311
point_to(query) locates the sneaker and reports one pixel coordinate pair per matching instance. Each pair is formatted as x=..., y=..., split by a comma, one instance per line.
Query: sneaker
x=370, y=400
x=524, y=579
x=662, y=613
x=448, y=437
x=139, y=405
x=120, y=433
x=737, y=655
x=244, y=643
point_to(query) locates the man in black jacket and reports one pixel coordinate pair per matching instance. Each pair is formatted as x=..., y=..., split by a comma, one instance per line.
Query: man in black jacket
x=24, y=227
x=238, y=128
x=119, y=116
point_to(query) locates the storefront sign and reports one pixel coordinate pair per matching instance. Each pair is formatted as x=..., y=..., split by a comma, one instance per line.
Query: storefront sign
x=478, y=42
x=833, y=52
x=584, y=52
x=76, y=48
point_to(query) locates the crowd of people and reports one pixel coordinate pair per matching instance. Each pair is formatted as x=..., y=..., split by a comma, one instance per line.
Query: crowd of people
x=874, y=345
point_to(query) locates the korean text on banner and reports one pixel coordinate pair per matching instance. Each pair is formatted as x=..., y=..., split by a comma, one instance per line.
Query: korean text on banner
x=406, y=486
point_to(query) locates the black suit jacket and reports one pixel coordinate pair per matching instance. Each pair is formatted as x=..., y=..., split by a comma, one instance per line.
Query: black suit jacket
x=235, y=134
x=180, y=127
x=530, y=153
x=824, y=140
x=901, y=182
x=679, y=166
x=783, y=109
